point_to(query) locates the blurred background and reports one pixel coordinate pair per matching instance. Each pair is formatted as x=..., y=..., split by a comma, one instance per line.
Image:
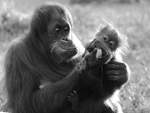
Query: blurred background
x=131, y=17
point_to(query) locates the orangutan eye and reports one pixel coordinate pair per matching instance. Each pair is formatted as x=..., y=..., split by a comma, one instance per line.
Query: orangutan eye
x=67, y=28
x=106, y=38
x=57, y=28
x=111, y=44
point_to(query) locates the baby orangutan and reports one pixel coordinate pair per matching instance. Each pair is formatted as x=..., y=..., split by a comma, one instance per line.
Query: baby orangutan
x=108, y=45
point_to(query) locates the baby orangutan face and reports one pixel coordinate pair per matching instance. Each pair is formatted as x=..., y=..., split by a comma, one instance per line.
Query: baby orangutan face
x=107, y=41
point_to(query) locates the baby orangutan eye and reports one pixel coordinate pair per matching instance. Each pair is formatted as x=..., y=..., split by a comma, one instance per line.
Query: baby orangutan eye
x=105, y=38
x=111, y=44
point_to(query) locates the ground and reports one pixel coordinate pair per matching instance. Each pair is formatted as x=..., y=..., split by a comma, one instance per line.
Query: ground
x=131, y=19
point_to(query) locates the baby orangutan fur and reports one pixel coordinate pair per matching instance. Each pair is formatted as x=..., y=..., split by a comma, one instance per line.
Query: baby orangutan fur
x=108, y=45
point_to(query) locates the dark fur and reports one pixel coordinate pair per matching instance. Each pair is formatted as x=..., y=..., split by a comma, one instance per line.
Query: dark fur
x=95, y=66
x=39, y=73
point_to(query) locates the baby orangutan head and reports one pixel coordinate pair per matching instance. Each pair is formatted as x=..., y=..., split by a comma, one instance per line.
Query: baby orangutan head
x=110, y=42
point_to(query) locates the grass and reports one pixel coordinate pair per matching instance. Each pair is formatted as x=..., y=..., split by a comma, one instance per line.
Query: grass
x=130, y=19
